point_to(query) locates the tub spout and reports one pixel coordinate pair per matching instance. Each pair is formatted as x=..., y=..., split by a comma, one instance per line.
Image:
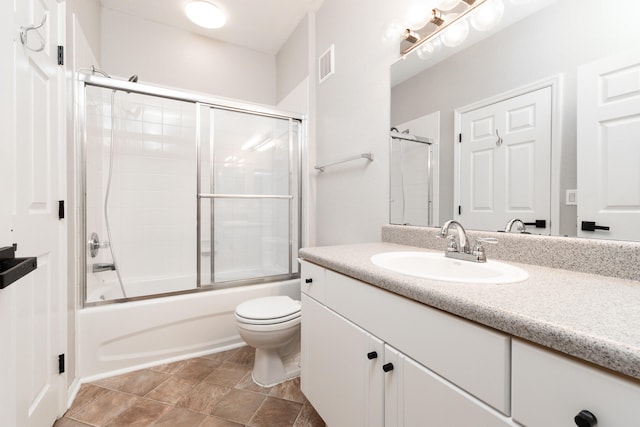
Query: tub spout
x=97, y=268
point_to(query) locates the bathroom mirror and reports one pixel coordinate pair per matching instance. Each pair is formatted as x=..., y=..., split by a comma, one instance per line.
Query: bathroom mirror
x=550, y=43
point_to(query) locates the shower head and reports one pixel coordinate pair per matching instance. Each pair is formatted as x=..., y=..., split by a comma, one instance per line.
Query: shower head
x=133, y=78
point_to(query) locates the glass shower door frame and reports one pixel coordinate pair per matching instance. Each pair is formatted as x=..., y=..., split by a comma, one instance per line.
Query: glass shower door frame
x=213, y=196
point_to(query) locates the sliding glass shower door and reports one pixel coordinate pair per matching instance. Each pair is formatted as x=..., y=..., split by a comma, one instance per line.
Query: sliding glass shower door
x=248, y=197
x=182, y=192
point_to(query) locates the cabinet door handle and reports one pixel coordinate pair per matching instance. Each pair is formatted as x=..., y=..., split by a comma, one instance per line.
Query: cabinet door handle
x=387, y=367
x=372, y=355
x=309, y=280
x=585, y=419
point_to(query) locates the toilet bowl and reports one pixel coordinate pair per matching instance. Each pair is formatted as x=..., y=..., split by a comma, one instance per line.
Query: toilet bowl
x=272, y=326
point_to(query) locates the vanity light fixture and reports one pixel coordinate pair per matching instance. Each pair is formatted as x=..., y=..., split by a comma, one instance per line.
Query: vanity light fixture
x=452, y=27
x=205, y=14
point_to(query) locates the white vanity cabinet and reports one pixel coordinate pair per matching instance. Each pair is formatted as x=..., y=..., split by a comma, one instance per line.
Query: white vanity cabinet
x=550, y=389
x=372, y=358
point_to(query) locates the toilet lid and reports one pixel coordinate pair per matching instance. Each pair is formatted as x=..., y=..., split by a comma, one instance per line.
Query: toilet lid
x=268, y=308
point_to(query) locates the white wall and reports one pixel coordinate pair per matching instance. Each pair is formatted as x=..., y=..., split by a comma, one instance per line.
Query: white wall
x=88, y=13
x=353, y=118
x=167, y=56
x=552, y=41
x=292, y=61
x=82, y=49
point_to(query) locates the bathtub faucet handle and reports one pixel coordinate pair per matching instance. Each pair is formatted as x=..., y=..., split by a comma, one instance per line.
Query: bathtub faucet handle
x=95, y=244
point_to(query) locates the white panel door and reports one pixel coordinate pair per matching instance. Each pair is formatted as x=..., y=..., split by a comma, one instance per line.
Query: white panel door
x=36, y=228
x=504, y=158
x=7, y=190
x=608, y=148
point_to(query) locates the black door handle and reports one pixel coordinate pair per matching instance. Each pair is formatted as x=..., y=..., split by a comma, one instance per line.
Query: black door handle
x=538, y=223
x=585, y=419
x=372, y=355
x=387, y=367
x=592, y=226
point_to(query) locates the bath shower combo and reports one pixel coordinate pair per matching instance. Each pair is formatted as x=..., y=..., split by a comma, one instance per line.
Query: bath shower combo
x=200, y=201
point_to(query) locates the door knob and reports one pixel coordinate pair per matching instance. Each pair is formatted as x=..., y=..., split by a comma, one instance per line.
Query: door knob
x=387, y=367
x=372, y=355
x=585, y=419
x=308, y=280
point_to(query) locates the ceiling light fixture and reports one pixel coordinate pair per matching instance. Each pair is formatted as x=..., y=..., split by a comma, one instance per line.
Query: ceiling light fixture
x=452, y=26
x=205, y=14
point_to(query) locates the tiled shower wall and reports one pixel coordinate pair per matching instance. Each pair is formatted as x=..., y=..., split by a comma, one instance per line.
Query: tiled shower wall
x=152, y=199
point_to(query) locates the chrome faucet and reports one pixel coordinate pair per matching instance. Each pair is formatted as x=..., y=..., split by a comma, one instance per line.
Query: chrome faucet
x=521, y=227
x=458, y=244
x=99, y=267
x=461, y=245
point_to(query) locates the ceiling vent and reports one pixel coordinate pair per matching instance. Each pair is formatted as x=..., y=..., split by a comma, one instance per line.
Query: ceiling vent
x=326, y=65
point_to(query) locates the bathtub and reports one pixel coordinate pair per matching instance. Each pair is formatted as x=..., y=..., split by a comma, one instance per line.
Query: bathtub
x=122, y=337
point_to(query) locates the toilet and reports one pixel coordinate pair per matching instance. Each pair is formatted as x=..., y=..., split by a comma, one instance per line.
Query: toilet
x=272, y=326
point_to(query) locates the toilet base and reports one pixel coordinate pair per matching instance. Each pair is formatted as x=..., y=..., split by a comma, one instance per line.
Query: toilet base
x=271, y=368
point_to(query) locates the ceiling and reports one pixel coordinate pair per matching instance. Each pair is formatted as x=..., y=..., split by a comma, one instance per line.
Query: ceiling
x=262, y=25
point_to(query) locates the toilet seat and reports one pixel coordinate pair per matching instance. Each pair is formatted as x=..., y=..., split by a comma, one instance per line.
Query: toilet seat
x=268, y=310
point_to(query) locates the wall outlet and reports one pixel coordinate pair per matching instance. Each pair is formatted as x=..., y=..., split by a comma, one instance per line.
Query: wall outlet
x=572, y=197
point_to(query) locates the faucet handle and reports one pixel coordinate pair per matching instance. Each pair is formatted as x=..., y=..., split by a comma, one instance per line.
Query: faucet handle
x=452, y=246
x=478, y=249
x=491, y=240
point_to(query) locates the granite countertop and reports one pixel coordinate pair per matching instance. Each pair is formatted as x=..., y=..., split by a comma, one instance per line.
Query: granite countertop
x=591, y=317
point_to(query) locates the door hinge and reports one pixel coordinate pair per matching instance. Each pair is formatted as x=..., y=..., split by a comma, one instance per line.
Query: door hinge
x=60, y=209
x=459, y=137
x=61, y=363
x=60, y=55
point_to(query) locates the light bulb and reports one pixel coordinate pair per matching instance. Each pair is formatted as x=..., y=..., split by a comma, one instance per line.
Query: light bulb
x=428, y=49
x=205, y=14
x=487, y=15
x=417, y=15
x=455, y=34
x=393, y=32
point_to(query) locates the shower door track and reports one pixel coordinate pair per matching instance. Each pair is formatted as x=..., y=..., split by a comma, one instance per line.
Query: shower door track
x=243, y=196
x=224, y=104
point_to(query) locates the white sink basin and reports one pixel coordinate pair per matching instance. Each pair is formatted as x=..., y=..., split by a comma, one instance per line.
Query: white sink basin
x=436, y=266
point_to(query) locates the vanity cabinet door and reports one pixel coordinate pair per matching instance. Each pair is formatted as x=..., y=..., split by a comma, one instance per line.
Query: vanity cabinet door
x=549, y=390
x=341, y=368
x=416, y=397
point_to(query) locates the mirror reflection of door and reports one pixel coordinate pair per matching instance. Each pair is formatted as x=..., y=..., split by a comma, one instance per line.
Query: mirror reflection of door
x=608, y=148
x=504, y=157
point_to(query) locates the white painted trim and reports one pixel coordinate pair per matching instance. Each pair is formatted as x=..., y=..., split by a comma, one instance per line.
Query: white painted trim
x=72, y=391
x=553, y=82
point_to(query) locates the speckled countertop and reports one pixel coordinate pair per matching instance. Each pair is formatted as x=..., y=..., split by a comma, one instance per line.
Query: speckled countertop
x=594, y=318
